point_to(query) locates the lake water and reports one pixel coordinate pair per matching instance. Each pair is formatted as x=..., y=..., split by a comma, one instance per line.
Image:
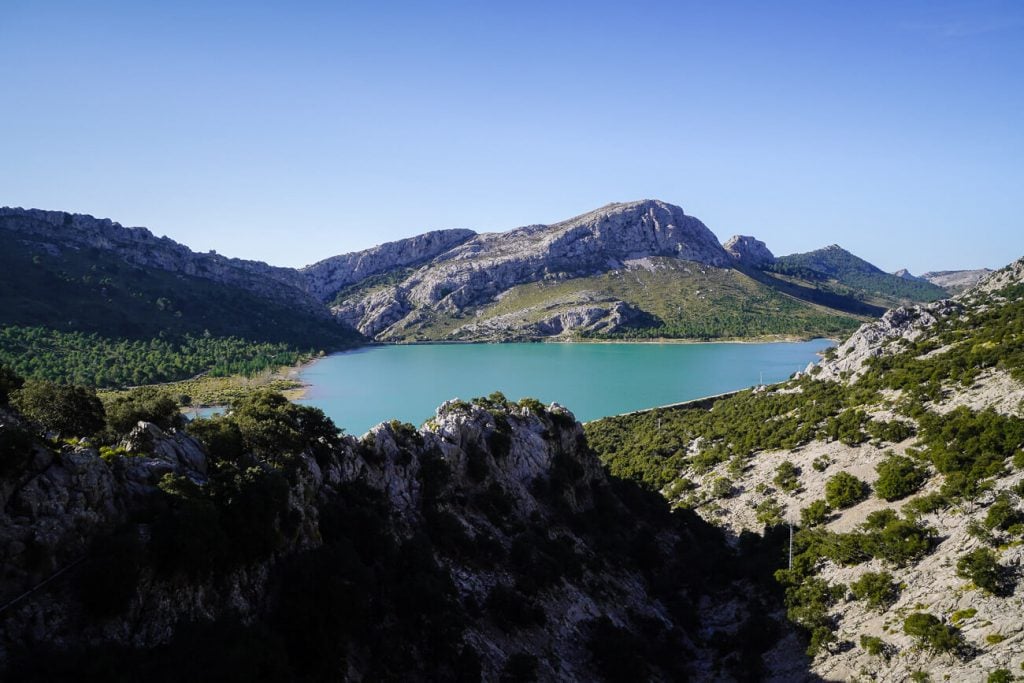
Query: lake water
x=361, y=388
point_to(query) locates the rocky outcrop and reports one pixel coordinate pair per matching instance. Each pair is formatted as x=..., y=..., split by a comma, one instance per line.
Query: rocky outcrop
x=1012, y=274
x=956, y=280
x=478, y=483
x=325, y=278
x=875, y=338
x=905, y=274
x=483, y=267
x=749, y=251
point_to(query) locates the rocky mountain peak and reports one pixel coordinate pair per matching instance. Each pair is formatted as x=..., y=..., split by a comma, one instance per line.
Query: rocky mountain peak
x=480, y=269
x=748, y=251
x=906, y=274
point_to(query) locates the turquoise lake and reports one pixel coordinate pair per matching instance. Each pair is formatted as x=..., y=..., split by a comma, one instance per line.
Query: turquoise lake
x=361, y=388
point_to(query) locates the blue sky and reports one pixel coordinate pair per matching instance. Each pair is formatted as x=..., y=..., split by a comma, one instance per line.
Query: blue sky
x=288, y=132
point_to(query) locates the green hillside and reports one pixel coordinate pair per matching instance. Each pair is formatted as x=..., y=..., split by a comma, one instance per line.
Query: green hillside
x=834, y=268
x=85, y=314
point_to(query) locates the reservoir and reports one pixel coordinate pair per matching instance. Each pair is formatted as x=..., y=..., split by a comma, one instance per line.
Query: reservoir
x=358, y=389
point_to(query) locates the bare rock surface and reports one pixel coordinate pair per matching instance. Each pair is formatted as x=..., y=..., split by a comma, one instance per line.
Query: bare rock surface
x=749, y=251
x=481, y=268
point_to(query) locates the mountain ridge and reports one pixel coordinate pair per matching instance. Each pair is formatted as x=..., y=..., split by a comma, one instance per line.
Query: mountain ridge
x=629, y=269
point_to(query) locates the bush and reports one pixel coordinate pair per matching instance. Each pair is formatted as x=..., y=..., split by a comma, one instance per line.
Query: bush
x=815, y=514
x=769, y=513
x=721, y=487
x=787, y=476
x=1000, y=676
x=901, y=542
x=844, y=490
x=147, y=404
x=893, y=432
x=66, y=410
x=982, y=568
x=874, y=645
x=931, y=633
x=898, y=477
x=926, y=504
x=877, y=589
x=1002, y=515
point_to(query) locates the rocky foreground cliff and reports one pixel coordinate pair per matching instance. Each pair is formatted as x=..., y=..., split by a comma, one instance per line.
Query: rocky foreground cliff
x=898, y=464
x=488, y=545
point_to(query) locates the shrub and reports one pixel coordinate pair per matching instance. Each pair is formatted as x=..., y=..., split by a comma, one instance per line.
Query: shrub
x=66, y=410
x=787, y=476
x=532, y=404
x=893, y=432
x=721, y=487
x=815, y=514
x=902, y=542
x=926, y=504
x=844, y=490
x=1002, y=515
x=873, y=645
x=877, y=589
x=898, y=477
x=931, y=633
x=1000, y=676
x=769, y=513
x=982, y=568
x=143, y=404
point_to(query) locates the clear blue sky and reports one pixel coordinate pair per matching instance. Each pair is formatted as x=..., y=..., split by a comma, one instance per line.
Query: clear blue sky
x=291, y=131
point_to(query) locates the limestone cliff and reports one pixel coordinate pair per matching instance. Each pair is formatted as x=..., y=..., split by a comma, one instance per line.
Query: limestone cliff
x=480, y=269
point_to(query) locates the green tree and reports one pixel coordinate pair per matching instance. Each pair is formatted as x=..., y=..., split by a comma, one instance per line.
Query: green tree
x=64, y=409
x=815, y=514
x=147, y=404
x=931, y=633
x=844, y=490
x=878, y=590
x=898, y=477
x=787, y=476
x=982, y=567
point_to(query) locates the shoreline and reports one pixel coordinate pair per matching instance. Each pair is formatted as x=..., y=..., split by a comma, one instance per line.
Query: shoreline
x=770, y=339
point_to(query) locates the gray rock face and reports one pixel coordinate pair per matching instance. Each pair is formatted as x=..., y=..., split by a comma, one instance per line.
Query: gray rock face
x=957, y=279
x=481, y=268
x=324, y=278
x=749, y=251
x=875, y=338
x=907, y=275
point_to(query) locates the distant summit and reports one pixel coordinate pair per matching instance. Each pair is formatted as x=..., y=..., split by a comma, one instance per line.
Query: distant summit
x=957, y=280
x=833, y=263
x=906, y=275
x=749, y=251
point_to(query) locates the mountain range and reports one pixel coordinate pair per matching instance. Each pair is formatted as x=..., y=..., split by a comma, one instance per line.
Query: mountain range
x=635, y=270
